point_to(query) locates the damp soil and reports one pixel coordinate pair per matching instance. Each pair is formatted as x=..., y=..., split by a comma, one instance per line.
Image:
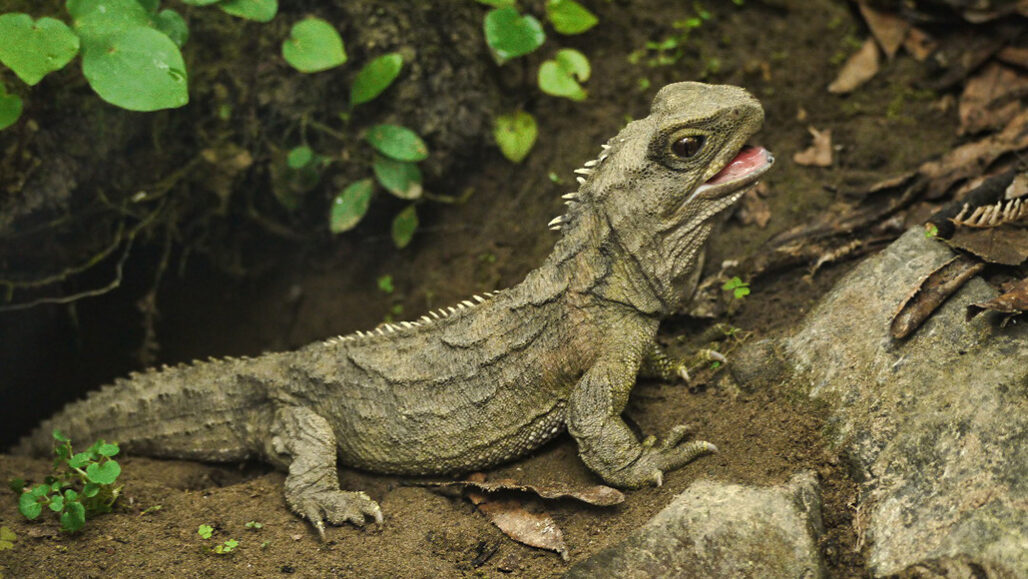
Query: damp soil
x=786, y=53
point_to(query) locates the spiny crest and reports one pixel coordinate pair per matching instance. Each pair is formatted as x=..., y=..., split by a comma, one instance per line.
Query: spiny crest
x=992, y=215
x=386, y=328
x=570, y=199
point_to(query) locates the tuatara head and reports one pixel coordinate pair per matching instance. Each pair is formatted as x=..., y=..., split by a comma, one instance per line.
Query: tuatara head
x=658, y=185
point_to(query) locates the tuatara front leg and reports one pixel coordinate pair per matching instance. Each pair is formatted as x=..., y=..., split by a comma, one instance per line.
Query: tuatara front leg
x=657, y=364
x=605, y=443
x=304, y=443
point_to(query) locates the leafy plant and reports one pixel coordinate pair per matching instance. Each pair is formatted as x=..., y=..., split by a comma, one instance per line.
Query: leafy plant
x=561, y=76
x=739, y=288
x=313, y=46
x=375, y=77
x=254, y=525
x=569, y=17
x=510, y=34
x=225, y=548
x=515, y=133
x=81, y=487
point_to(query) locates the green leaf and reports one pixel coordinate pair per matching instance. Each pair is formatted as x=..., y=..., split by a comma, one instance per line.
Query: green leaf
x=140, y=69
x=103, y=474
x=80, y=460
x=515, y=133
x=256, y=10
x=300, y=157
x=173, y=25
x=398, y=177
x=375, y=77
x=17, y=485
x=89, y=490
x=56, y=504
x=350, y=206
x=385, y=283
x=150, y=5
x=10, y=108
x=34, y=49
x=28, y=505
x=560, y=76
x=313, y=45
x=205, y=531
x=95, y=20
x=510, y=35
x=71, y=495
x=231, y=544
x=74, y=517
x=108, y=449
x=404, y=225
x=59, y=436
x=498, y=3
x=397, y=142
x=40, y=491
x=569, y=17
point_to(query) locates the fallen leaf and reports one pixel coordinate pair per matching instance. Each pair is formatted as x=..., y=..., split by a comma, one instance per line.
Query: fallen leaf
x=819, y=154
x=973, y=158
x=1013, y=302
x=754, y=210
x=1006, y=245
x=598, y=495
x=533, y=529
x=888, y=29
x=991, y=98
x=931, y=293
x=859, y=68
x=919, y=44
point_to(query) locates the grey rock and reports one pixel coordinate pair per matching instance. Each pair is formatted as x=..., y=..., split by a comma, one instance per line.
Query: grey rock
x=935, y=426
x=716, y=529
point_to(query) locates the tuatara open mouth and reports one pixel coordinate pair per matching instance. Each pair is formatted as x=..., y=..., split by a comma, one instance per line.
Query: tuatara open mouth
x=748, y=166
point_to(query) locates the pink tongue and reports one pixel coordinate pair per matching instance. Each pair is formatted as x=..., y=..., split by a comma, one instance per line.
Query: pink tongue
x=748, y=159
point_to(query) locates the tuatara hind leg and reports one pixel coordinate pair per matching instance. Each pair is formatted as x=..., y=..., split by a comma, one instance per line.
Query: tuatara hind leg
x=303, y=442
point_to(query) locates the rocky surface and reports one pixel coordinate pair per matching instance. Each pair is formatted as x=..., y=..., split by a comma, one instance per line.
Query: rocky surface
x=934, y=426
x=717, y=529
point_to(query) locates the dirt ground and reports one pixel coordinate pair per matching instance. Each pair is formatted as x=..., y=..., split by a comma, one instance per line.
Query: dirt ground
x=786, y=53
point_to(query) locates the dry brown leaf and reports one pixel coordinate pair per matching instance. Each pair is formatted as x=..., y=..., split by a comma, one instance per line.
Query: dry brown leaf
x=919, y=44
x=888, y=29
x=973, y=158
x=931, y=293
x=859, y=68
x=533, y=529
x=991, y=98
x=754, y=210
x=1014, y=302
x=1015, y=55
x=1006, y=245
x=1018, y=187
x=819, y=154
x=598, y=495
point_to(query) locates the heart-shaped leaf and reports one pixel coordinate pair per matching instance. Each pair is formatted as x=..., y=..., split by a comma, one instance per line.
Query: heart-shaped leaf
x=350, y=206
x=172, y=24
x=28, y=505
x=34, y=49
x=103, y=474
x=10, y=108
x=400, y=178
x=256, y=10
x=74, y=517
x=397, y=142
x=404, y=225
x=515, y=134
x=313, y=45
x=139, y=69
x=375, y=77
x=510, y=35
x=95, y=20
x=569, y=17
x=560, y=76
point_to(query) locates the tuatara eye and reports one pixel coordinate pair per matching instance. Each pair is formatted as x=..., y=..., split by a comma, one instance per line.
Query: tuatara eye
x=687, y=146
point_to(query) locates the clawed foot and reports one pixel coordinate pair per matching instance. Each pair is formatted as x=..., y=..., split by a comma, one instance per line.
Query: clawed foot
x=659, y=457
x=336, y=507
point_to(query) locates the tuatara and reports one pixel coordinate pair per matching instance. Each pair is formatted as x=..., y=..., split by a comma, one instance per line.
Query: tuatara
x=495, y=376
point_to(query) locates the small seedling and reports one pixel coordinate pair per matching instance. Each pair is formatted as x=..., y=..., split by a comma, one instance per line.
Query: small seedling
x=152, y=509
x=82, y=484
x=205, y=532
x=254, y=525
x=7, y=538
x=930, y=230
x=385, y=283
x=739, y=288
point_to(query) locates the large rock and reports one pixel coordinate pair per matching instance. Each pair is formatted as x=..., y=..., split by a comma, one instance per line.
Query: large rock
x=716, y=529
x=935, y=427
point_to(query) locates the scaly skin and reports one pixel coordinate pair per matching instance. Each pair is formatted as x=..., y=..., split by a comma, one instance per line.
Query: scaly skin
x=493, y=378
